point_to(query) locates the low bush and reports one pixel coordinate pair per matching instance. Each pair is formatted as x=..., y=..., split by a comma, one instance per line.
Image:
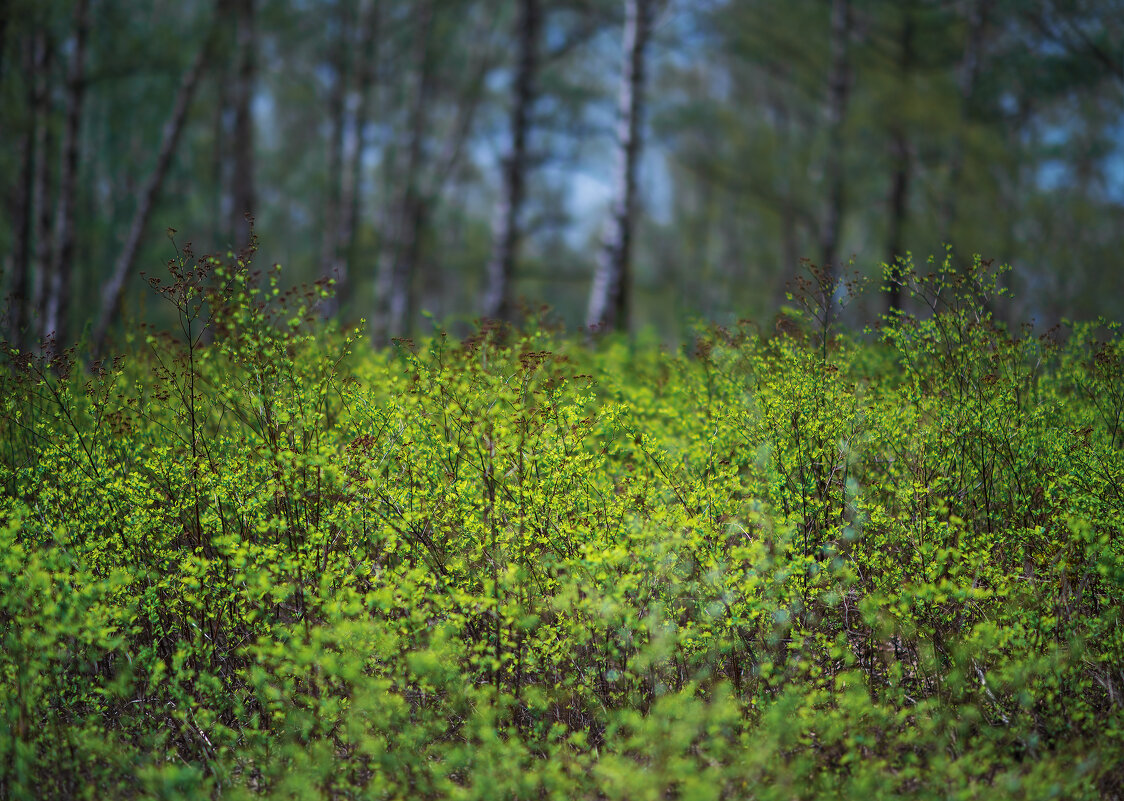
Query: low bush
x=258, y=559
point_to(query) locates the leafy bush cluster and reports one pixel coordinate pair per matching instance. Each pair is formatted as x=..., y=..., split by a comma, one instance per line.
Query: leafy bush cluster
x=260, y=561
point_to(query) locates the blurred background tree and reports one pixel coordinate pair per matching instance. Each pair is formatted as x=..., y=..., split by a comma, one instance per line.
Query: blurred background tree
x=457, y=157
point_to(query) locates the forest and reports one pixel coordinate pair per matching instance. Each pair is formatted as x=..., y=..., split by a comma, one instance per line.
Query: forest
x=467, y=159
x=623, y=400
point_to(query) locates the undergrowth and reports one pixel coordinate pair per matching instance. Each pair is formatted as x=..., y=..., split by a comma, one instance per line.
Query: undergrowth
x=258, y=559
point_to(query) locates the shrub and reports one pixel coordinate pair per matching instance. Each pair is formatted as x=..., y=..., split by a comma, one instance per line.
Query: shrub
x=259, y=560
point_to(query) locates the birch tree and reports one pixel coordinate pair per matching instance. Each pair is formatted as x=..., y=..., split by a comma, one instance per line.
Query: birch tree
x=498, y=300
x=61, y=267
x=609, y=299
x=32, y=178
x=402, y=239
x=839, y=88
x=355, y=147
x=41, y=196
x=349, y=109
x=453, y=56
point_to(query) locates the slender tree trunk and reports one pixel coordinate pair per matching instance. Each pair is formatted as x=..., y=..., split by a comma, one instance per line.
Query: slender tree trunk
x=900, y=153
x=899, y=210
x=34, y=58
x=356, y=144
x=498, y=300
x=5, y=18
x=337, y=108
x=114, y=289
x=62, y=254
x=395, y=277
x=967, y=79
x=220, y=163
x=839, y=88
x=41, y=206
x=610, y=296
x=20, y=211
x=242, y=190
x=9, y=10
x=343, y=211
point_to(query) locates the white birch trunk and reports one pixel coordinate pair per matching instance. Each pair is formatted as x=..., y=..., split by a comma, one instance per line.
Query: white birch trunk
x=609, y=299
x=57, y=310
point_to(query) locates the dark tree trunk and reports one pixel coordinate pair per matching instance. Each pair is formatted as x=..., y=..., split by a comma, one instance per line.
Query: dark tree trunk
x=610, y=296
x=346, y=159
x=34, y=58
x=498, y=301
x=400, y=255
x=839, y=88
x=41, y=205
x=899, y=209
x=899, y=182
x=5, y=18
x=7, y=13
x=353, y=158
x=114, y=289
x=337, y=107
x=57, y=308
x=242, y=191
x=220, y=162
x=20, y=211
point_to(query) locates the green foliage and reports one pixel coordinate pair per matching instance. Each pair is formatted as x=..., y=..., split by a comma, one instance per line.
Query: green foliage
x=258, y=561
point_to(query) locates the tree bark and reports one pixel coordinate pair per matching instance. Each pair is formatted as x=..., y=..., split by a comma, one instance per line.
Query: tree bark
x=242, y=190
x=353, y=173
x=498, y=300
x=5, y=19
x=839, y=88
x=20, y=214
x=220, y=203
x=402, y=240
x=900, y=153
x=34, y=62
x=355, y=114
x=114, y=289
x=55, y=328
x=41, y=202
x=337, y=102
x=610, y=296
